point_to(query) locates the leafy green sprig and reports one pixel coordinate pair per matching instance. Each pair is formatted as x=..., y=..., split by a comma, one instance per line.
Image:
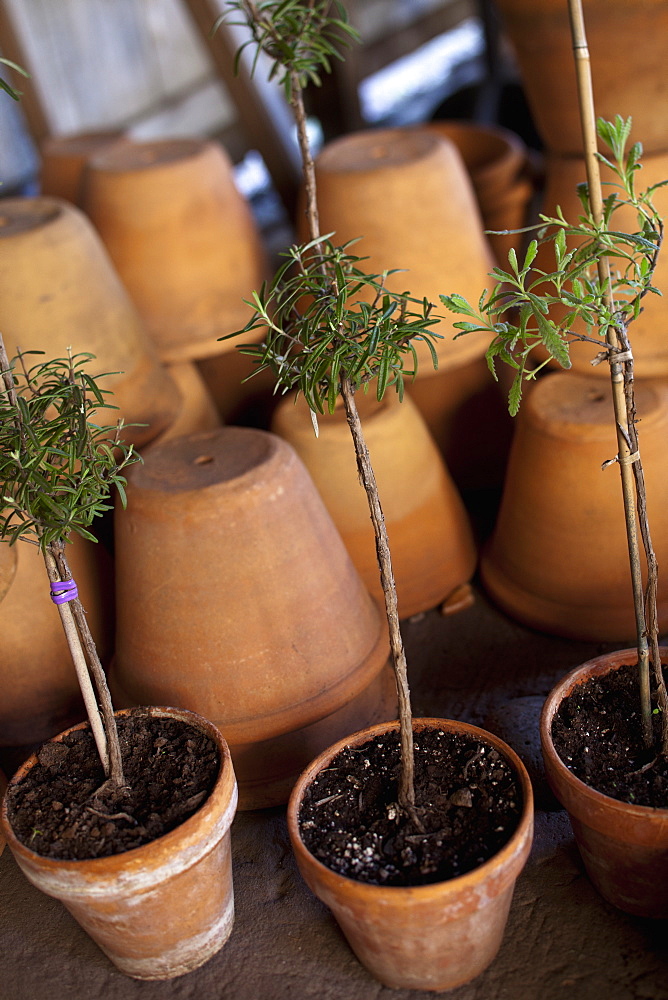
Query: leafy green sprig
x=57, y=467
x=8, y=89
x=327, y=320
x=299, y=38
x=532, y=307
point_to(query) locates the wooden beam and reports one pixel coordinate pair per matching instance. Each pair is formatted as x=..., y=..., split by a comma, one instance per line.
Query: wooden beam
x=263, y=112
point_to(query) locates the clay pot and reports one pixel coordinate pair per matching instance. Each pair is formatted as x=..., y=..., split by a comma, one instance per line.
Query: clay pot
x=650, y=351
x=626, y=47
x=197, y=411
x=239, y=398
x=64, y=161
x=160, y=910
x=498, y=165
x=237, y=598
x=407, y=194
x=58, y=289
x=428, y=937
x=182, y=238
x=8, y=561
x=3, y=788
x=466, y=413
x=430, y=537
x=624, y=847
x=40, y=693
x=559, y=503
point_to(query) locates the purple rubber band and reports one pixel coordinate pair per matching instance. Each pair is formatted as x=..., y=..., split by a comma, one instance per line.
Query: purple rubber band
x=63, y=591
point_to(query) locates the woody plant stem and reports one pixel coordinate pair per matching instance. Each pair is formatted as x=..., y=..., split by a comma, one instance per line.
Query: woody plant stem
x=406, y=792
x=620, y=360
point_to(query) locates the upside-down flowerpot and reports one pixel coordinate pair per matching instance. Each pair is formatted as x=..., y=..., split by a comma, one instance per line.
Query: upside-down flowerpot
x=558, y=558
x=65, y=158
x=40, y=693
x=182, y=238
x=426, y=937
x=624, y=847
x=628, y=79
x=466, y=412
x=498, y=165
x=162, y=909
x=432, y=546
x=562, y=176
x=237, y=599
x=406, y=196
x=197, y=410
x=58, y=289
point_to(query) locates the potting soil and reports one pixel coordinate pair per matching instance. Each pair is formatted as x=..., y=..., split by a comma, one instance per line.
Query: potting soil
x=57, y=810
x=467, y=799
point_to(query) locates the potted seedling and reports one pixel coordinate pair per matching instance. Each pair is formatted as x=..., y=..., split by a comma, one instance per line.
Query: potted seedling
x=604, y=728
x=132, y=856
x=421, y=900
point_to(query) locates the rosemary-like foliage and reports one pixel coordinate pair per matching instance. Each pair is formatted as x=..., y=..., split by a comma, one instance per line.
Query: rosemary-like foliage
x=328, y=320
x=532, y=307
x=57, y=467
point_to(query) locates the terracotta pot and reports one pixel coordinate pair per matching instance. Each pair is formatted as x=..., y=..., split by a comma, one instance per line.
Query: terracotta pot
x=40, y=693
x=430, y=537
x=626, y=47
x=466, y=413
x=239, y=399
x=237, y=599
x=494, y=156
x=160, y=910
x=8, y=561
x=624, y=847
x=64, y=161
x=182, y=238
x=3, y=788
x=407, y=194
x=197, y=411
x=58, y=289
x=428, y=937
x=650, y=351
x=558, y=502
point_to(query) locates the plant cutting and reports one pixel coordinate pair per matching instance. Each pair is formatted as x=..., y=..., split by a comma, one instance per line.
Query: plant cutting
x=107, y=832
x=600, y=278
x=332, y=331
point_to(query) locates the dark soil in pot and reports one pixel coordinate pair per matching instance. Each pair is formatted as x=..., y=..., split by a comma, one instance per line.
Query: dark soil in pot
x=597, y=734
x=467, y=798
x=56, y=810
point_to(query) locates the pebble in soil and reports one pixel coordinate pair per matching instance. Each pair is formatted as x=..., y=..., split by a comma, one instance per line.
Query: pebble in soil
x=467, y=796
x=57, y=811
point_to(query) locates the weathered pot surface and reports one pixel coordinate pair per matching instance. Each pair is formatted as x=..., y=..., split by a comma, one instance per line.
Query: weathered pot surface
x=624, y=847
x=428, y=937
x=162, y=909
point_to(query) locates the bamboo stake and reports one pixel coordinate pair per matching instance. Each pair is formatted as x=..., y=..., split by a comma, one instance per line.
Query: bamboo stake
x=81, y=667
x=621, y=371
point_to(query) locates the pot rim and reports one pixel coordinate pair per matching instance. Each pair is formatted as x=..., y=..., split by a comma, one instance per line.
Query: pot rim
x=519, y=843
x=225, y=785
x=595, y=667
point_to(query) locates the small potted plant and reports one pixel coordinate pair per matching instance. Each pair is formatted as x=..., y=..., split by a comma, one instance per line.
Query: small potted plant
x=142, y=864
x=604, y=728
x=417, y=914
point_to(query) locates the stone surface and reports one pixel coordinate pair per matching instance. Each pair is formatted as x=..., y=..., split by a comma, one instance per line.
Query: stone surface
x=562, y=940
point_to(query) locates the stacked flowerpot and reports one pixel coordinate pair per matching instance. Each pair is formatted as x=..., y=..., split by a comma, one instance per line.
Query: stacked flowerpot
x=405, y=196
x=59, y=290
x=433, y=553
x=185, y=244
x=559, y=502
x=237, y=599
